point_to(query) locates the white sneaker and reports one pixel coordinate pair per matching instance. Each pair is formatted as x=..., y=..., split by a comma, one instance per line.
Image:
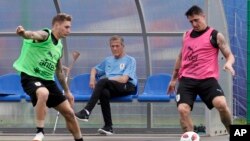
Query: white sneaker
x=39, y=137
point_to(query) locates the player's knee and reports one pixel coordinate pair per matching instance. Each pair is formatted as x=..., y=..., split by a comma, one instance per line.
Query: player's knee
x=184, y=109
x=219, y=103
x=42, y=94
x=69, y=115
x=221, y=106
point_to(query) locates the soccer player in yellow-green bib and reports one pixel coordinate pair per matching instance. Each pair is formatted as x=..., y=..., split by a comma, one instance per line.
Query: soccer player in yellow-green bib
x=39, y=61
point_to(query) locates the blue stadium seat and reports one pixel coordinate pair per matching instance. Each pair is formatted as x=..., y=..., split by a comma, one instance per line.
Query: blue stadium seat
x=10, y=88
x=79, y=87
x=155, y=89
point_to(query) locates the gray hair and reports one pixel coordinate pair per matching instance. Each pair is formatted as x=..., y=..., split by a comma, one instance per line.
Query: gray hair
x=115, y=38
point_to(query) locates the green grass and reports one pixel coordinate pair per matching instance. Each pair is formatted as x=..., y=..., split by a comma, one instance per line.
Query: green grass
x=240, y=121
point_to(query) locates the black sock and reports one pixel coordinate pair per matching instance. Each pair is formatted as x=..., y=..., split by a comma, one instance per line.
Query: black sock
x=39, y=129
x=79, y=139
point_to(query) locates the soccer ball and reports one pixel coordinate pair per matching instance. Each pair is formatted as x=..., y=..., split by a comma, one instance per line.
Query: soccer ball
x=190, y=136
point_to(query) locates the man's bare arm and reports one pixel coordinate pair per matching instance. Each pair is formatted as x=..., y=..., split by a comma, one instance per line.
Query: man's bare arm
x=175, y=74
x=176, y=67
x=225, y=50
x=35, y=35
x=61, y=77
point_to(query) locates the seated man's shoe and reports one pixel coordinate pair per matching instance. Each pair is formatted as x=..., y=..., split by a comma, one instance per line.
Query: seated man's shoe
x=106, y=131
x=82, y=115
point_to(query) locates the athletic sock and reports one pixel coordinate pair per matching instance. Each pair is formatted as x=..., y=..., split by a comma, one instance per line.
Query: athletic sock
x=79, y=139
x=39, y=129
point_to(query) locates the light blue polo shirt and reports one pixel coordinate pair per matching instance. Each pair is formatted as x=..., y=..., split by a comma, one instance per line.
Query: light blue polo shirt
x=111, y=67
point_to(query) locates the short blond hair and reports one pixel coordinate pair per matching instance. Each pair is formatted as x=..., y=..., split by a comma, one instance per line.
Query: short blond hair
x=61, y=17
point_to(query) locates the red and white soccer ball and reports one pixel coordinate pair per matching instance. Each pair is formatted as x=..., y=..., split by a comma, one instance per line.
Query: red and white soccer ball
x=190, y=136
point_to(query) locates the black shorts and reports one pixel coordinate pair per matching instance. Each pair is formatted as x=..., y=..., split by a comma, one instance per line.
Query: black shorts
x=189, y=88
x=30, y=84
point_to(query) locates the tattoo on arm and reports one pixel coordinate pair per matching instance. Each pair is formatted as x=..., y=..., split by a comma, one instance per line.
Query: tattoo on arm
x=177, y=67
x=223, y=46
x=61, y=77
x=36, y=35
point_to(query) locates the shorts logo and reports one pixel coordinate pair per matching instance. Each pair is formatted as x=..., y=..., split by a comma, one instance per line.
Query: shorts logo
x=219, y=90
x=38, y=83
x=177, y=97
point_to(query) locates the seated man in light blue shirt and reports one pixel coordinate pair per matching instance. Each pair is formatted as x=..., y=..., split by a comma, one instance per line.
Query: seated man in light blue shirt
x=119, y=79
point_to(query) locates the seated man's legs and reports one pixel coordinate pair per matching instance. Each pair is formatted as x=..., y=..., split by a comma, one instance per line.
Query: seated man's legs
x=83, y=114
x=106, y=112
x=100, y=86
x=112, y=89
x=104, y=90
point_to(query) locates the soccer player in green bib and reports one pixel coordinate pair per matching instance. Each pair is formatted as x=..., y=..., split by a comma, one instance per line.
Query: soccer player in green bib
x=38, y=63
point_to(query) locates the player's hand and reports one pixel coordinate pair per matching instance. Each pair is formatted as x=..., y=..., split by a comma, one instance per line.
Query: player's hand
x=20, y=30
x=171, y=87
x=229, y=67
x=70, y=98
